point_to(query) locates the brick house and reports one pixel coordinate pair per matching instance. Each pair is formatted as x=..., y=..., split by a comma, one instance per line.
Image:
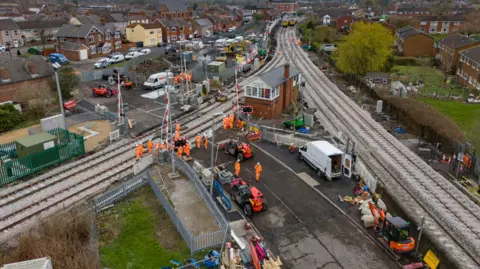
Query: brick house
x=450, y=48
x=149, y=34
x=10, y=34
x=201, y=26
x=20, y=75
x=440, y=24
x=175, y=29
x=468, y=70
x=412, y=43
x=172, y=9
x=270, y=93
x=99, y=39
x=36, y=30
x=343, y=23
x=287, y=7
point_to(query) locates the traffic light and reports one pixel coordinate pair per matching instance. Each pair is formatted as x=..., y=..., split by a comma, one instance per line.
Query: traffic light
x=247, y=109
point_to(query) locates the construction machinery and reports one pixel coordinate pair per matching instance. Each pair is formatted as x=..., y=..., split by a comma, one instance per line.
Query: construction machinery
x=237, y=149
x=291, y=22
x=394, y=235
x=285, y=23
x=103, y=90
x=249, y=198
x=127, y=83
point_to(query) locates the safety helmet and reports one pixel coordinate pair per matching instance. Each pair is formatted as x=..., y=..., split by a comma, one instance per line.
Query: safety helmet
x=258, y=163
x=136, y=144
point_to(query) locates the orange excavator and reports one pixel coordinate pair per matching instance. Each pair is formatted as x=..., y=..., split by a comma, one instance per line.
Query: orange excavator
x=395, y=236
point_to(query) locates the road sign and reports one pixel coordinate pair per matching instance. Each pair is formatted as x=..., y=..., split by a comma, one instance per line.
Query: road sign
x=431, y=260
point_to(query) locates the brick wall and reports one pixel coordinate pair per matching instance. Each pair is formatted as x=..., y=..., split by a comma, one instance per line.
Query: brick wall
x=265, y=108
x=18, y=91
x=418, y=46
x=468, y=75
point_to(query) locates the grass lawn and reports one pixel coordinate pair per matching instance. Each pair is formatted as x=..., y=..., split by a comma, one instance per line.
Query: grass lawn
x=467, y=116
x=137, y=233
x=432, y=79
x=438, y=37
x=121, y=64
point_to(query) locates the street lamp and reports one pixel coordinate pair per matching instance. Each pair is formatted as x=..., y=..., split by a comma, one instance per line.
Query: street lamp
x=57, y=66
x=213, y=145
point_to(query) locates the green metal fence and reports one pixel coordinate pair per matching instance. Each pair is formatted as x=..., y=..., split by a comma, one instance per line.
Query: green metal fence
x=8, y=150
x=69, y=145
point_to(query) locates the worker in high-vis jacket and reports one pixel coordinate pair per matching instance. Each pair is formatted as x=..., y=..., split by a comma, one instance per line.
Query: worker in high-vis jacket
x=186, y=149
x=157, y=148
x=177, y=136
x=237, y=168
x=138, y=151
x=177, y=126
x=198, y=139
x=179, y=152
x=149, y=145
x=258, y=170
x=205, y=141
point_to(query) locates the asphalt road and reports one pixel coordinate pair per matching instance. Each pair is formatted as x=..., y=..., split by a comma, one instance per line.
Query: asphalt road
x=300, y=225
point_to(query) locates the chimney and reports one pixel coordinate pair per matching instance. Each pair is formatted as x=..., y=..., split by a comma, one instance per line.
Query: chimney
x=32, y=68
x=286, y=72
x=4, y=74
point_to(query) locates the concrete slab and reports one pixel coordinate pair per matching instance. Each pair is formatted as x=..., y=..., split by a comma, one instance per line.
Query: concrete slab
x=308, y=179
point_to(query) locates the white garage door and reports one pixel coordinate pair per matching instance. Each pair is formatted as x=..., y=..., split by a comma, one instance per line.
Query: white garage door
x=83, y=54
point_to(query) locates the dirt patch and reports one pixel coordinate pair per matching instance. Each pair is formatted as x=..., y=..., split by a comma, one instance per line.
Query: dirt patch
x=101, y=126
x=149, y=67
x=14, y=135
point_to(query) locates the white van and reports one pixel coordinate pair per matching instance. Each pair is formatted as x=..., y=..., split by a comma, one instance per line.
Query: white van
x=156, y=81
x=326, y=159
x=117, y=58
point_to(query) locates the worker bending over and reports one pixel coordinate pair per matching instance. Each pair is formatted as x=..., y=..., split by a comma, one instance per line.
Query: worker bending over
x=198, y=139
x=149, y=145
x=237, y=168
x=258, y=170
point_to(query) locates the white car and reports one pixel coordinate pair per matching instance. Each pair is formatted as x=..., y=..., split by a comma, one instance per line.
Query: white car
x=102, y=63
x=117, y=58
x=145, y=51
x=132, y=54
x=2, y=48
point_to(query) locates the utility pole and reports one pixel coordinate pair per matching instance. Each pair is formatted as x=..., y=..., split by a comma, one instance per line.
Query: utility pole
x=420, y=230
x=212, y=161
x=61, y=100
x=120, y=111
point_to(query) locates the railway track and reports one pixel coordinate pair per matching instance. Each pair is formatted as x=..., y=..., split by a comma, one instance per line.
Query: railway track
x=454, y=223
x=22, y=205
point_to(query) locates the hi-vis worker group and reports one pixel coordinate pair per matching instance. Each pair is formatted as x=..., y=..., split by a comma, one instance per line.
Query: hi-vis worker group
x=258, y=170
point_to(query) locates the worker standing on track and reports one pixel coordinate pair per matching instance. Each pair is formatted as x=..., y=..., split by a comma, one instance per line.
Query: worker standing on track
x=138, y=151
x=157, y=148
x=205, y=141
x=258, y=170
x=177, y=126
x=187, y=149
x=150, y=145
x=177, y=136
x=230, y=121
x=237, y=168
x=225, y=123
x=198, y=139
x=180, y=152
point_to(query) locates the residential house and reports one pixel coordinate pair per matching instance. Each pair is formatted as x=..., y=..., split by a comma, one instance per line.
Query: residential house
x=468, y=71
x=272, y=92
x=287, y=7
x=120, y=22
x=450, y=48
x=201, y=26
x=39, y=30
x=378, y=78
x=173, y=9
x=175, y=29
x=10, y=34
x=137, y=19
x=343, y=23
x=150, y=34
x=440, y=24
x=412, y=43
x=21, y=75
x=99, y=41
x=85, y=19
x=413, y=11
x=113, y=35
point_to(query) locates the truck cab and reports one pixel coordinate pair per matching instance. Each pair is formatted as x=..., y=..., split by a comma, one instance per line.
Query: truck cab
x=326, y=159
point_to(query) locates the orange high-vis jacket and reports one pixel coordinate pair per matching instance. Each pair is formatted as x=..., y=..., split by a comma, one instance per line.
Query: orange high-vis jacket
x=198, y=139
x=258, y=168
x=150, y=145
x=177, y=127
x=164, y=146
x=237, y=166
x=180, y=151
x=187, y=149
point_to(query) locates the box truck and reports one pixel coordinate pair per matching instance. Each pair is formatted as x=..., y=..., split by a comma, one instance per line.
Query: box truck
x=326, y=159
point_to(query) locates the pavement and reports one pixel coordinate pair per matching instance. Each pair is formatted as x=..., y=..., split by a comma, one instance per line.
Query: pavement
x=302, y=227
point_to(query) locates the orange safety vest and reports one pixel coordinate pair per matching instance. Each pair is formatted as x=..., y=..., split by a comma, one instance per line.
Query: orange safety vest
x=150, y=145
x=187, y=150
x=164, y=146
x=180, y=151
x=199, y=140
x=258, y=169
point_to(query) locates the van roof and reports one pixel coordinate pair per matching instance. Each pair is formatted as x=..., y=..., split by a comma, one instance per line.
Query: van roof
x=328, y=148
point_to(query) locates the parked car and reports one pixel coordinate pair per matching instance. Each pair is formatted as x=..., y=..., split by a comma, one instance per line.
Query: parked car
x=102, y=63
x=145, y=51
x=132, y=54
x=3, y=48
x=116, y=58
x=58, y=58
x=34, y=50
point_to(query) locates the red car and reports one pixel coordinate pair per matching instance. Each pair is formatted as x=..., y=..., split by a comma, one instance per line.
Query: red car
x=103, y=90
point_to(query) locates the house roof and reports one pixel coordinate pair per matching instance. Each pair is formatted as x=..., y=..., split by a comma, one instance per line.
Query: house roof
x=411, y=32
x=172, y=5
x=137, y=17
x=174, y=22
x=444, y=18
x=275, y=76
x=39, y=24
x=80, y=31
x=472, y=54
x=17, y=70
x=67, y=45
x=155, y=25
x=135, y=10
x=456, y=41
x=377, y=75
x=88, y=19
x=118, y=17
x=405, y=29
x=204, y=22
x=8, y=24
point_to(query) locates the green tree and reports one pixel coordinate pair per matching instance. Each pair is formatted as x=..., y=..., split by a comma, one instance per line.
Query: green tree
x=68, y=81
x=366, y=49
x=9, y=117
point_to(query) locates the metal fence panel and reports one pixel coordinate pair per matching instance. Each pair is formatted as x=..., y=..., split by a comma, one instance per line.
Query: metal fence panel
x=9, y=149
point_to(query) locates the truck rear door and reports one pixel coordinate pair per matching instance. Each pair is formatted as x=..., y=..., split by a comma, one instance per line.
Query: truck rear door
x=347, y=165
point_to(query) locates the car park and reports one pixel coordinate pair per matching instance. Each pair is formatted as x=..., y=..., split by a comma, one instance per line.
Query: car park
x=145, y=51
x=132, y=54
x=102, y=63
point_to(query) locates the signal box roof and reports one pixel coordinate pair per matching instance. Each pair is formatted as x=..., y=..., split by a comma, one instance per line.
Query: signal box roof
x=398, y=222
